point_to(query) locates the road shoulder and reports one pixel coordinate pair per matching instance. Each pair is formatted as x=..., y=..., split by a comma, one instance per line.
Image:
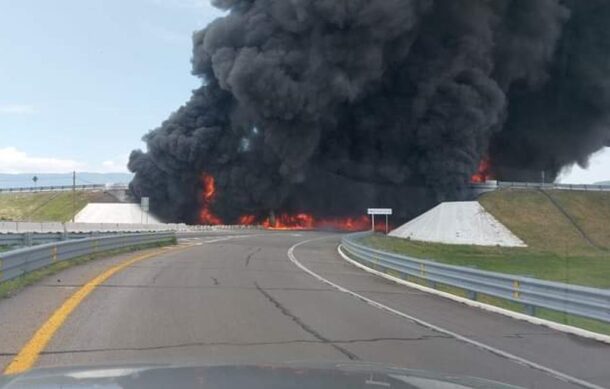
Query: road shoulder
x=24, y=312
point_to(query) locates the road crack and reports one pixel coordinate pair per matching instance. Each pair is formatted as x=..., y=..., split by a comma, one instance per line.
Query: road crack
x=202, y=287
x=249, y=256
x=233, y=344
x=304, y=326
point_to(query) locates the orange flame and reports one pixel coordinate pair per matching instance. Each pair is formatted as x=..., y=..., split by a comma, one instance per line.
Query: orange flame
x=304, y=221
x=206, y=216
x=209, y=188
x=282, y=221
x=483, y=173
x=300, y=221
x=247, y=220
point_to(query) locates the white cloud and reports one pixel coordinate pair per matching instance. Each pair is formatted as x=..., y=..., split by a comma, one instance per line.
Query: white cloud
x=115, y=165
x=188, y=4
x=13, y=160
x=165, y=34
x=16, y=109
x=598, y=170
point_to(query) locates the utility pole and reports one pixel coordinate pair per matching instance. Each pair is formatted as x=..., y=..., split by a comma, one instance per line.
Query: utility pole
x=73, y=195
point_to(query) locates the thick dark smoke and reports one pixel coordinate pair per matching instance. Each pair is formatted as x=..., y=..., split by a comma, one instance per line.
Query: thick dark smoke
x=330, y=106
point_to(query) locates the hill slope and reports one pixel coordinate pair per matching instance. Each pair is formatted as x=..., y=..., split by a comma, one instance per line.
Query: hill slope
x=556, y=221
x=47, y=206
x=567, y=233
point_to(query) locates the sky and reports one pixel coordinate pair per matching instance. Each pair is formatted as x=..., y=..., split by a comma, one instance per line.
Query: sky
x=82, y=81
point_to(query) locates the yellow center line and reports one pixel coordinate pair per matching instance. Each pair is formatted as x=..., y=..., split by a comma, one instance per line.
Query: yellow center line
x=29, y=354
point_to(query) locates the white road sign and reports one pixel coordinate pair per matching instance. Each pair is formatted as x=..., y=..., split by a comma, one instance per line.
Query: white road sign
x=379, y=211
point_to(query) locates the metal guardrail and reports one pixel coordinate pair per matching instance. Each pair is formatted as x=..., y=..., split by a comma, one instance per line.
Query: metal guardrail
x=527, y=185
x=493, y=185
x=34, y=238
x=21, y=261
x=61, y=188
x=532, y=293
x=46, y=227
x=56, y=227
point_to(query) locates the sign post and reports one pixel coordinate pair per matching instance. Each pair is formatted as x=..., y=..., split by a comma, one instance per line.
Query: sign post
x=379, y=211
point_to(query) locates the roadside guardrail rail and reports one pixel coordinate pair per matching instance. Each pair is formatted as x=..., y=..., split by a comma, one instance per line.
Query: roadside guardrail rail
x=18, y=262
x=40, y=233
x=577, y=300
x=526, y=185
x=493, y=185
x=58, y=188
x=48, y=227
x=36, y=238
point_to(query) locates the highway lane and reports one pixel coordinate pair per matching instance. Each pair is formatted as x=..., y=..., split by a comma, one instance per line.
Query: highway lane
x=237, y=297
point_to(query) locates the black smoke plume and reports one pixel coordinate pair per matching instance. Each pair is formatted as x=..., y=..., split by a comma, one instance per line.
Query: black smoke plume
x=330, y=106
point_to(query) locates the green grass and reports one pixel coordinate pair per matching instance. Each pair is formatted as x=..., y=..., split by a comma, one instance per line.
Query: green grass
x=592, y=270
x=591, y=210
x=556, y=250
x=47, y=206
x=11, y=287
x=530, y=215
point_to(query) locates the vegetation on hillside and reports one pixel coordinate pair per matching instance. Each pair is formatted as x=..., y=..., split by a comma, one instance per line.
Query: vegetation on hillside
x=47, y=206
x=552, y=225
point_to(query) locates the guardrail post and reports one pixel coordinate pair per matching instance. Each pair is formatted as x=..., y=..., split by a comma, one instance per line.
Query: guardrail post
x=530, y=310
x=516, y=289
x=94, y=247
x=422, y=270
x=27, y=239
x=472, y=295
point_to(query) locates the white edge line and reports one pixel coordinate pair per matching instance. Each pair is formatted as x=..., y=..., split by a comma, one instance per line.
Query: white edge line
x=483, y=346
x=486, y=307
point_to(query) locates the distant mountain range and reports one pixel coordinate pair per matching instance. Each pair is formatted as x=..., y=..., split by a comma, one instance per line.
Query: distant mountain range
x=26, y=180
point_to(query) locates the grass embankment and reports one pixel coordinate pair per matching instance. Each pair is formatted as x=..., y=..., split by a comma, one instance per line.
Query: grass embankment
x=556, y=249
x=570, y=245
x=47, y=206
x=11, y=287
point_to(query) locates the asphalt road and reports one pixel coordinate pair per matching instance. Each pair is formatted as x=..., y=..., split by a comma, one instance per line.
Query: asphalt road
x=238, y=297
